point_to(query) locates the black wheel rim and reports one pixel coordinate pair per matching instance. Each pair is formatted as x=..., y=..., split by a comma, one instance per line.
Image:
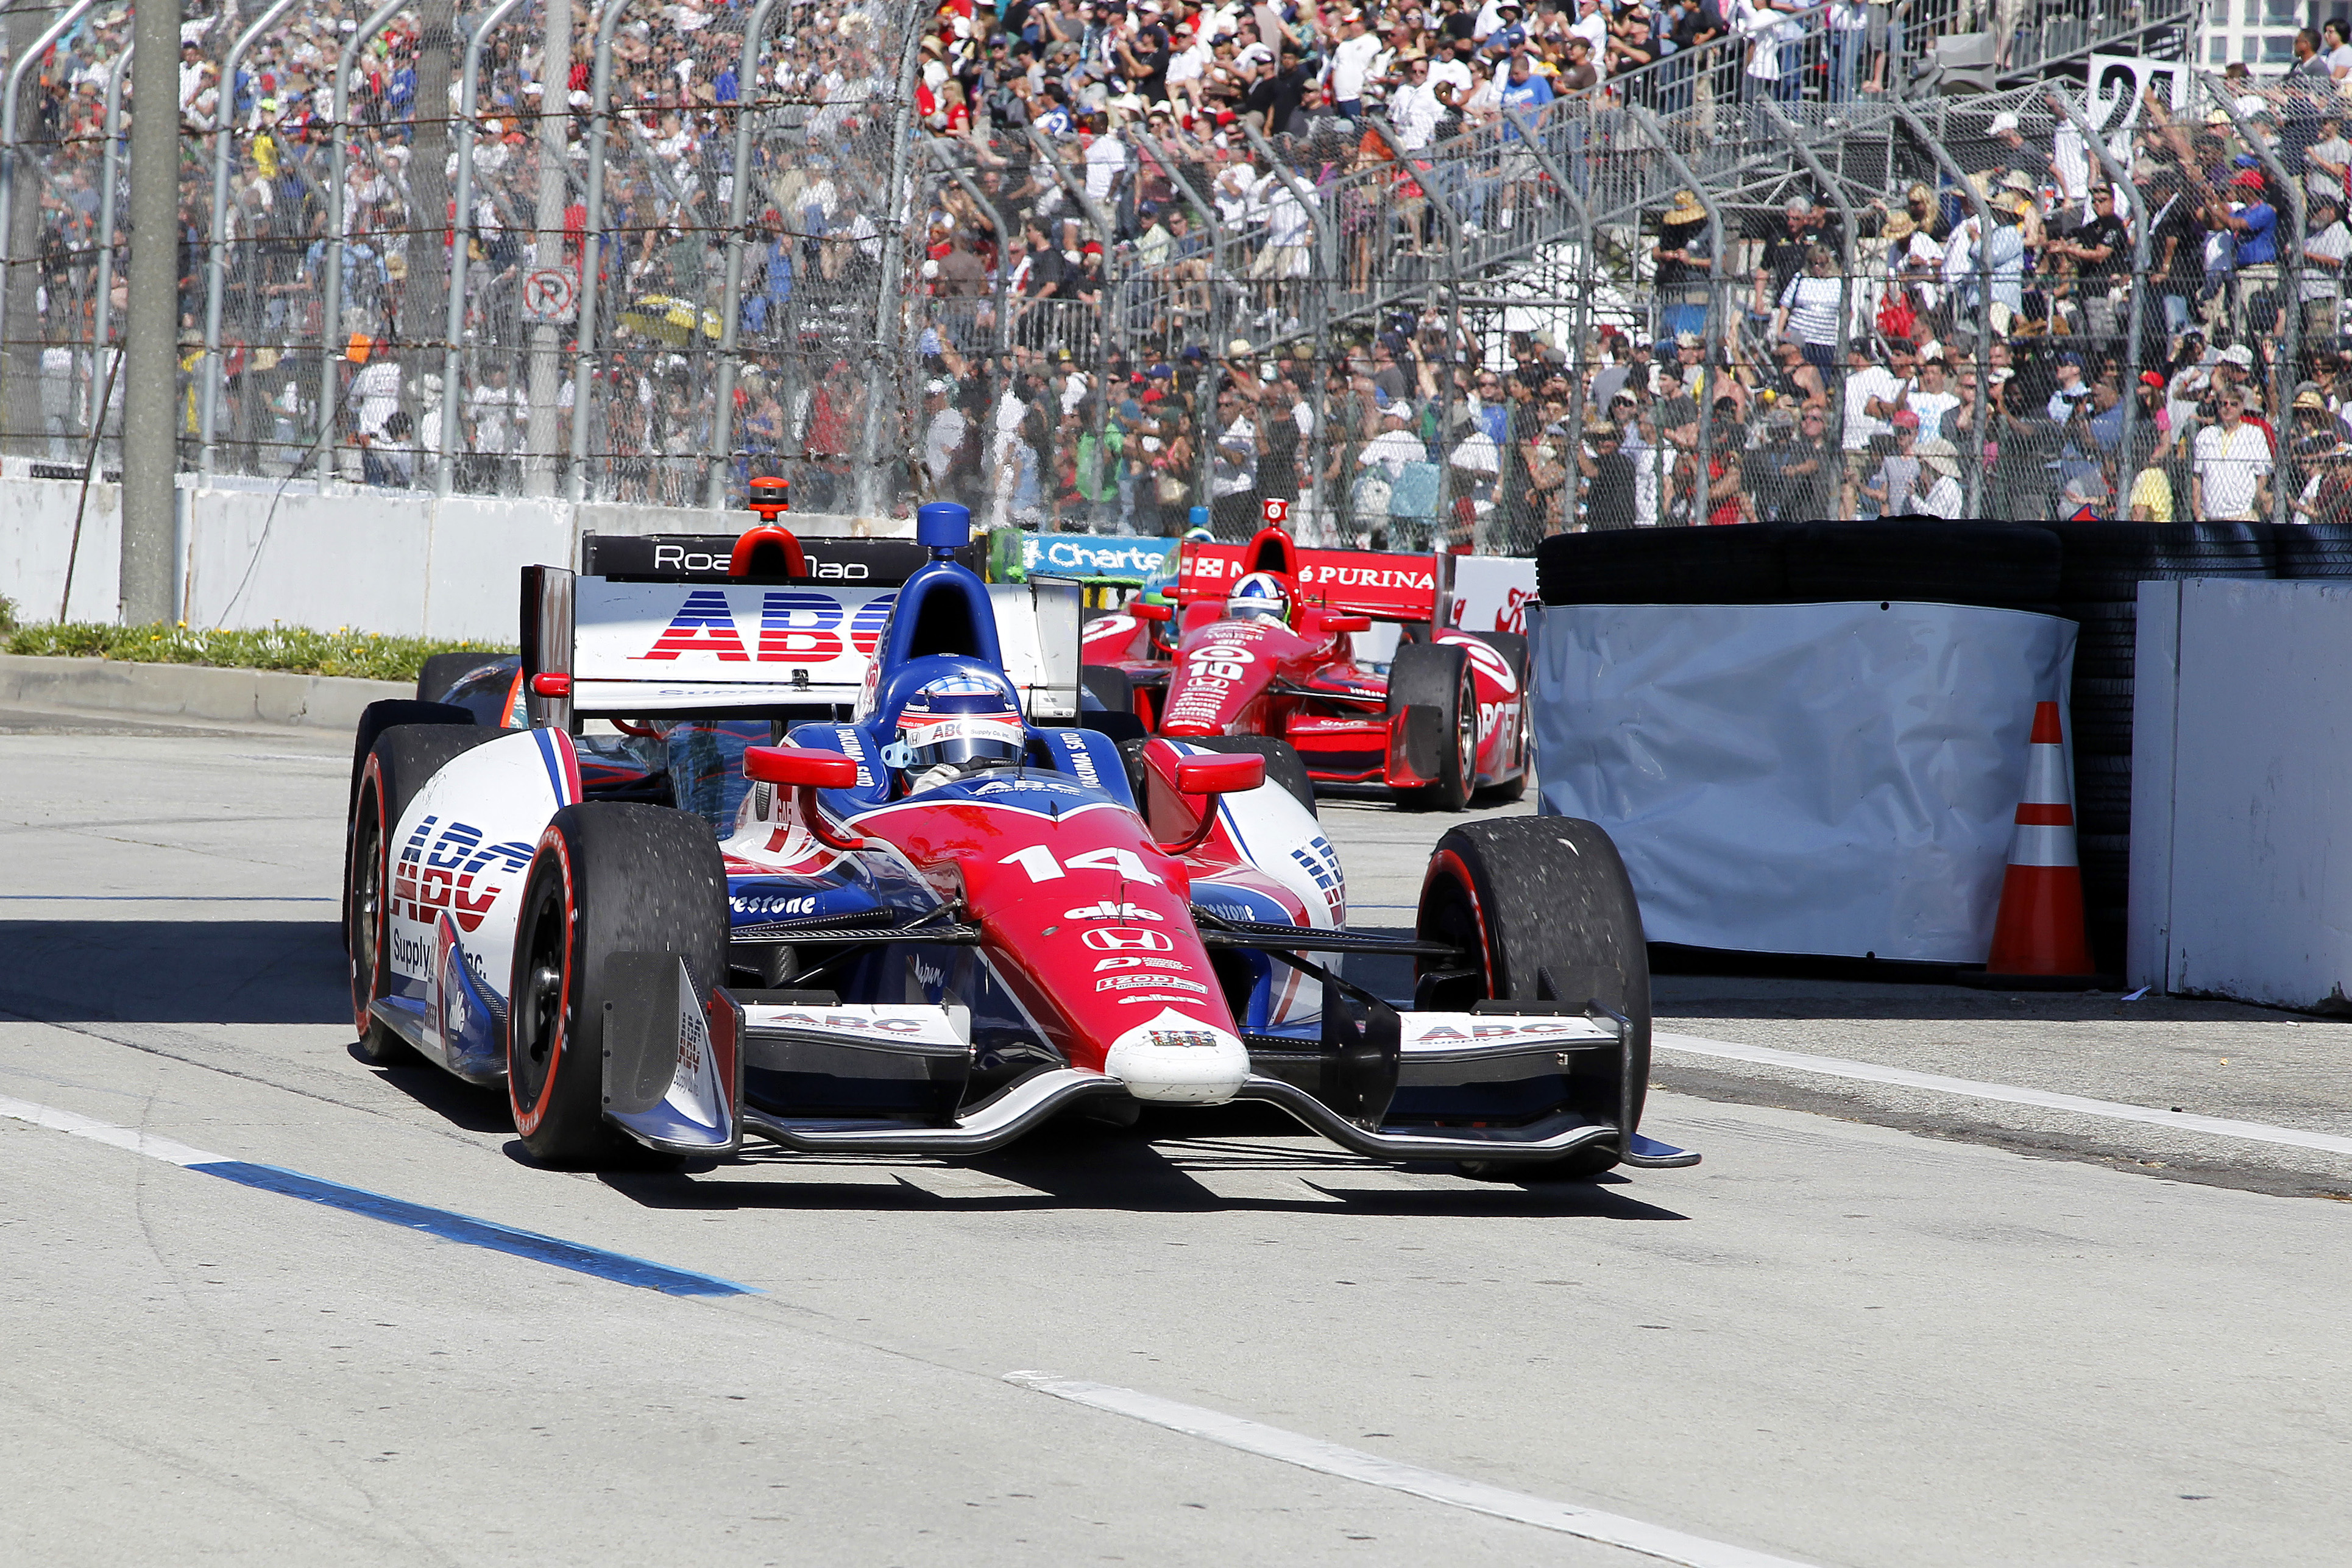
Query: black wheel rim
x=367, y=911
x=537, y=1013
x=1466, y=729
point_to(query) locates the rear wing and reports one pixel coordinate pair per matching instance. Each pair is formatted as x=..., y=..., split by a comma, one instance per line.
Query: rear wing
x=704, y=557
x=1387, y=586
x=679, y=641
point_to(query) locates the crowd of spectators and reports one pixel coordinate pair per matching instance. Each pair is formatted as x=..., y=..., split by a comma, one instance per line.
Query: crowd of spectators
x=1096, y=144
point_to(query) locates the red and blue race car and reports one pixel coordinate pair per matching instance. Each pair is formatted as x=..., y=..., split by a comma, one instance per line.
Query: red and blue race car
x=861, y=878
x=1264, y=640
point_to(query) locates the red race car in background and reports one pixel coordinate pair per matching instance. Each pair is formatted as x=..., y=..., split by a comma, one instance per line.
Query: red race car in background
x=1264, y=640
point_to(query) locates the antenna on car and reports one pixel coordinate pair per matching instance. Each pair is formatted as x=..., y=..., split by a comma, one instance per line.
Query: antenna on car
x=943, y=527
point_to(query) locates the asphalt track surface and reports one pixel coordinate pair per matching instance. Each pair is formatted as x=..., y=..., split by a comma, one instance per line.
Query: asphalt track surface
x=1882, y=1324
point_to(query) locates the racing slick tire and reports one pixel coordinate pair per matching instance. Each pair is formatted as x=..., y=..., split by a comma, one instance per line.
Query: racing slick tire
x=374, y=719
x=399, y=763
x=609, y=878
x=1513, y=646
x=1437, y=675
x=1284, y=766
x=1545, y=908
x=441, y=671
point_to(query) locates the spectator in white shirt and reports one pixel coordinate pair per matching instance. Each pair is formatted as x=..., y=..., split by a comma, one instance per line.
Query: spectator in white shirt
x=2230, y=479
x=1350, y=64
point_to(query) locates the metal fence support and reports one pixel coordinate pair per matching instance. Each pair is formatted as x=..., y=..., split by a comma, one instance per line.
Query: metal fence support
x=11, y=164
x=217, y=254
x=1327, y=246
x=103, y=308
x=739, y=207
x=553, y=136
x=888, y=303
x=461, y=235
x=2120, y=179
x=1796, y=140
x=1701, y=502
x=1980, y=430
x=2290, y=357
x=1217, y=245
x=1569, y=193
x=1454, y=331
x=1076, y=187
x=332, y=322
x=592, y=239
x=150, y=391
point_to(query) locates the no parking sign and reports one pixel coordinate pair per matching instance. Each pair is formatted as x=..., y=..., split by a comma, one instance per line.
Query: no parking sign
x=549, y=294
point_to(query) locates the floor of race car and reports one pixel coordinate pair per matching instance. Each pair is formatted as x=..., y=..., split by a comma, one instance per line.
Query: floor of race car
x=1883, y=1323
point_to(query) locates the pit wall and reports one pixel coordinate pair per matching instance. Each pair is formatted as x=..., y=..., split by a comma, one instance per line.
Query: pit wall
x=376, y=560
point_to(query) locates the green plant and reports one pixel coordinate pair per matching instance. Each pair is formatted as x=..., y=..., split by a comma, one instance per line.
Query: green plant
x=295, y=649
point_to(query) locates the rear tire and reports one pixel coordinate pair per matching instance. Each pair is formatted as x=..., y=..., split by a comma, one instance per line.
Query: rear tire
x=1110, y=687
x=1437, y=675
x=1543, y=907
x=1513, y=646
x=609, y=878
x=400, y=762
x=441, y=671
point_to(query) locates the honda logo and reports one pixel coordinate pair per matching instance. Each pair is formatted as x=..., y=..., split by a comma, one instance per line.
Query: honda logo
x=1103, y=941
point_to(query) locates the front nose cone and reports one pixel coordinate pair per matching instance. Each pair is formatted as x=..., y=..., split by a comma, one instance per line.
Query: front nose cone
x=1179, y=1059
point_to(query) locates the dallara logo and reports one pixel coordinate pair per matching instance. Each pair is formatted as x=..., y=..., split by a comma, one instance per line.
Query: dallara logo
x=1186, y=1038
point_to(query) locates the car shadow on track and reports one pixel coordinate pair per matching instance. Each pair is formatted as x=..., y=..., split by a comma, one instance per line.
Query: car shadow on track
x=1074, y=1165
x=174, y=971
x=466, y=1105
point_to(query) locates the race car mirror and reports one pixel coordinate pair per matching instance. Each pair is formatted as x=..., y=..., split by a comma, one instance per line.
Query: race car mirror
x=1214, y=775
x=1347, y=622
x=1220, y=775
x=549, y=684
x=1152, y=611
x=794, y=766
x=806, y=771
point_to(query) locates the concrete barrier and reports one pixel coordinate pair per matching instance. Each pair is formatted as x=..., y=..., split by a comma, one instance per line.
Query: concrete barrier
x=192, y=691
x=399, y=562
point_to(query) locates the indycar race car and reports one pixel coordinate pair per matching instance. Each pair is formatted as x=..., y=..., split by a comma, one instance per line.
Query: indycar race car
x=1262, y=640
x=856, y=882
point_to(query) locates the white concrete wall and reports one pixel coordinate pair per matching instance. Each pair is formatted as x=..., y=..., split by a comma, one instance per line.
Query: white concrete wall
x=2241, y=790
x=377, y=560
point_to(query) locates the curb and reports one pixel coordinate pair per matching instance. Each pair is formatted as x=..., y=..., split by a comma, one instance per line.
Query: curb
x=193, y=691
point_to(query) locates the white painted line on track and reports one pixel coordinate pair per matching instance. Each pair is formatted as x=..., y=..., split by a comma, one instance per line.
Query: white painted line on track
x=1377, y=1469
x=2008, y=1093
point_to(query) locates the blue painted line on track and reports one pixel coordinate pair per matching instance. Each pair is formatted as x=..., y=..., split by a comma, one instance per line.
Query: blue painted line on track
x=618, y=1266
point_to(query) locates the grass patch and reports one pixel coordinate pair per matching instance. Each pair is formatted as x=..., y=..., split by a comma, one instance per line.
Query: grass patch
x=295, y=649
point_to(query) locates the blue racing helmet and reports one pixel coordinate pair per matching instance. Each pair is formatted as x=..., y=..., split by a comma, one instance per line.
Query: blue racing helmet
x=963, y=714
x=1260, y=596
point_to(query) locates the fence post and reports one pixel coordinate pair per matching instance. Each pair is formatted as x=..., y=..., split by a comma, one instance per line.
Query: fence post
x=216, y=256
x=1583, y=301
x=461, y=235
x=584, y=340
x=2291, y=310
x=1983, y=210
x=12, y=380
x=889, y=306
x=1210, y=289
x=2120, y=178
x=330, y=398
x=103, y=308
x=1103, y=224
x=1317, y=299
x=1453, y=331
x=730, y=297
x=1700, y=507
x=1795, y=138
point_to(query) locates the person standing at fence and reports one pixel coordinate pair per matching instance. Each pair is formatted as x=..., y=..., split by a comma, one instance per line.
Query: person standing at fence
x=1684, y=266
x=2230, y=481
x=2101, y=249
x=491, y=411
x=2326, y=245
x=1874, y=393
x=1233, y=463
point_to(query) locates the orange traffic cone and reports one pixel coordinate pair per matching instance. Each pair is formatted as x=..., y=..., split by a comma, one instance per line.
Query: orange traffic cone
x=2038, y=939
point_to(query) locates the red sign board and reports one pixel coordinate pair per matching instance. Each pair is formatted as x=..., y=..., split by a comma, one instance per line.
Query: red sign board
x=1361, y=582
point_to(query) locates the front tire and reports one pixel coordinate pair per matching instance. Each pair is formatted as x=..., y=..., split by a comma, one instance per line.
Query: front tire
x=608, y=879
x=1437, y=675
x=400, y=762
x=1544, y=909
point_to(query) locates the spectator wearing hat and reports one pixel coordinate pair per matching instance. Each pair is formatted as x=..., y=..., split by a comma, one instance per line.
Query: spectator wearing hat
x=2253, y=225
x=2071, y=389
x=1686, y=264
x=2326, y=242
x=1350, y=64
x=1940, y=496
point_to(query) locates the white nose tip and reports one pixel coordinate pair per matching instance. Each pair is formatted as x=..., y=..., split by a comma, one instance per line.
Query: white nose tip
x=1180, y=1059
